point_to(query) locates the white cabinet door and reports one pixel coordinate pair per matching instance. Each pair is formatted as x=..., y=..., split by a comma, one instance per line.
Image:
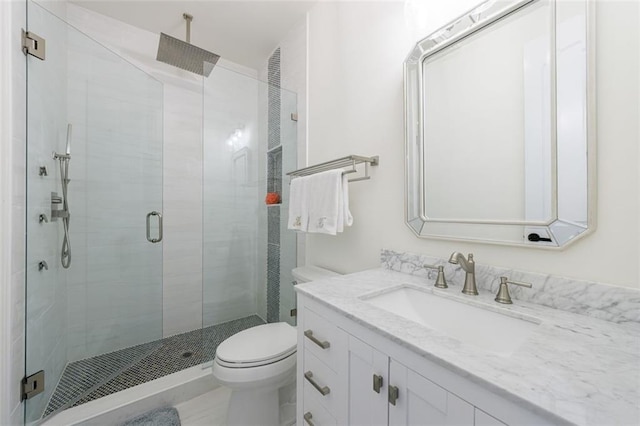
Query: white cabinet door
x=422, y=402
x=367, y=406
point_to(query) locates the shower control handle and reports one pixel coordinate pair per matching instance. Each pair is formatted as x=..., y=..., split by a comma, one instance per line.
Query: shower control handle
x=159, y=215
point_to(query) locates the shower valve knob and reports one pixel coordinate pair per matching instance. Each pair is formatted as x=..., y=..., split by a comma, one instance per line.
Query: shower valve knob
x=42, y=265
x=43, y=218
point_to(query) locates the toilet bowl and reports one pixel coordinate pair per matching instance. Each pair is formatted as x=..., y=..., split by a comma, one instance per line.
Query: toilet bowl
x=259, y=365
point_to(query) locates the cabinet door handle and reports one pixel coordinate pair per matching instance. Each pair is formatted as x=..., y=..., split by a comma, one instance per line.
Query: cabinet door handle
x=307, y=418
x=377, y=383
x=324, y=390
x=393, y=394
x=323, y=345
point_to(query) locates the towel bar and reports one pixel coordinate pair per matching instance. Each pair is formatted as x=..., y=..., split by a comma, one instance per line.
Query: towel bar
x=349, y=161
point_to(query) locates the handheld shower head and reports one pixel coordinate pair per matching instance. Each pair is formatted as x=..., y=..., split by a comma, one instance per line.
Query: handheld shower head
x=69, y=131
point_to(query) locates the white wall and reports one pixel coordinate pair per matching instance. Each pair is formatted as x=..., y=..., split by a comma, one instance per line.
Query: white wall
x=356, y=52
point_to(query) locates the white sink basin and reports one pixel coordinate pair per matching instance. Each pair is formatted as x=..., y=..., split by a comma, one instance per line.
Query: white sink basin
x=488, y=330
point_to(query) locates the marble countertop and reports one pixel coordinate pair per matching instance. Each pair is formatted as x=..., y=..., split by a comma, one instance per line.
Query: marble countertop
x=573, y=367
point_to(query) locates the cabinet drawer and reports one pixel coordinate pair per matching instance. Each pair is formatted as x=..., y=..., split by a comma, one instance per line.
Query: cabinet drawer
x=325, y=380
x=314, y=413
x=322, y=338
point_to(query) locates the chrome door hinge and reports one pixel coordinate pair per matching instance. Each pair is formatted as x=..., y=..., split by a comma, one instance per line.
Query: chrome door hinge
x=32, y=385
x=33, y=44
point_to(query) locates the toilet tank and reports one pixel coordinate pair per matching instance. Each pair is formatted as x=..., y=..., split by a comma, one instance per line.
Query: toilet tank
x=305, y=274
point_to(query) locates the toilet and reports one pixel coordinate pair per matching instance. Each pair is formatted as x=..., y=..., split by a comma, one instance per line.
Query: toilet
x=259, y=365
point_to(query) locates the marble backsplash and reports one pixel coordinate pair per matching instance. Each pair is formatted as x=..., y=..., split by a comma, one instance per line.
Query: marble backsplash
x=609, y=303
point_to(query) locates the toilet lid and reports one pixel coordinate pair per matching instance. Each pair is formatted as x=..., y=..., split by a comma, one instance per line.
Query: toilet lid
x=259, y=345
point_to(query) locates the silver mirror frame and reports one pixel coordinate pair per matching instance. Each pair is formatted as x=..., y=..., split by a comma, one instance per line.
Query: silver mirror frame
x=563, y=231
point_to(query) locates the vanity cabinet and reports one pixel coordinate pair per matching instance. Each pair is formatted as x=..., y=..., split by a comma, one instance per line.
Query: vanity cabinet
x=383, y=391
x=349, y=375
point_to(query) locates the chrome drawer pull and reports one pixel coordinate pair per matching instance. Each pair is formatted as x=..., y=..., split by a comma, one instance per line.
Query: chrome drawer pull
x=323, y=345
x=307, y=418
x=324, y=390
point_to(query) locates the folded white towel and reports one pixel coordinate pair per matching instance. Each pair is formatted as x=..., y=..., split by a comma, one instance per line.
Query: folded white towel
x=298, y=204
x=328, y=203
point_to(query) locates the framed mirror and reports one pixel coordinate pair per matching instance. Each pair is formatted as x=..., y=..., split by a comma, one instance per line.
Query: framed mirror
x=500, y=125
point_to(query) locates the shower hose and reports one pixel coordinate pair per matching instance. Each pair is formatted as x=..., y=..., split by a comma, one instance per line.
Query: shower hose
x=65, y=254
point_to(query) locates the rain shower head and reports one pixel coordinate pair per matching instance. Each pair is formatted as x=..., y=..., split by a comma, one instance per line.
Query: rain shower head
x=185, y=55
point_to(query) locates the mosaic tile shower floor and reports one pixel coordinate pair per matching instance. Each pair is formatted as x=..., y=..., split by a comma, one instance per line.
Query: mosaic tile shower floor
x=92, y=378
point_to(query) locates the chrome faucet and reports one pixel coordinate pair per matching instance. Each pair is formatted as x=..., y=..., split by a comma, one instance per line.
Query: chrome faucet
x=469, y=267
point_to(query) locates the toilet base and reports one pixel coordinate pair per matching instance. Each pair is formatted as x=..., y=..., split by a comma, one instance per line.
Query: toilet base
x=265, y=407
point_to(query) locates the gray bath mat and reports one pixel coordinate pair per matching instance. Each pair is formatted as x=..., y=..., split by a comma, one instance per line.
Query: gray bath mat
x=167, y=416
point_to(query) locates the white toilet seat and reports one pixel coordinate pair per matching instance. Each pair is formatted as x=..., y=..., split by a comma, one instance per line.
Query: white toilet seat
x=272, y=375
x=257, y=346
x=232, y=364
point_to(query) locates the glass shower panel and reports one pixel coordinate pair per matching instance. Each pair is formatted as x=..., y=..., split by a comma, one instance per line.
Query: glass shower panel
x=288, y=238
x=85, y=101
x=245, y=250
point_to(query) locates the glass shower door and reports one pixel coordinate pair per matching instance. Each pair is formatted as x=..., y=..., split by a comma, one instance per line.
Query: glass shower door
x=94, y=198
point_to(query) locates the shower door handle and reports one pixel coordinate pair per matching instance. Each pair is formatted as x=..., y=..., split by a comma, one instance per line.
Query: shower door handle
x=154, y=240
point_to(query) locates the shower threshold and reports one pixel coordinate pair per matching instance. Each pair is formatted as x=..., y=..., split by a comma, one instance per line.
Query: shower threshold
x=92, y=378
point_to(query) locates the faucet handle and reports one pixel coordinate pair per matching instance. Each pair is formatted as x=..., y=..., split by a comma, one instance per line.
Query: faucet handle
x=441, y=281
x=503, y=295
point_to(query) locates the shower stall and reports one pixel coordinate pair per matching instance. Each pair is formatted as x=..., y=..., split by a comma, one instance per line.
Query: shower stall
x=97, y=317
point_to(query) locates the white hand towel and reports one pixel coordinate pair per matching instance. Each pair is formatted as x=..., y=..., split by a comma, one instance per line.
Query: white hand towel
x=298, y=204
x=348, y=218
x=328, y=208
